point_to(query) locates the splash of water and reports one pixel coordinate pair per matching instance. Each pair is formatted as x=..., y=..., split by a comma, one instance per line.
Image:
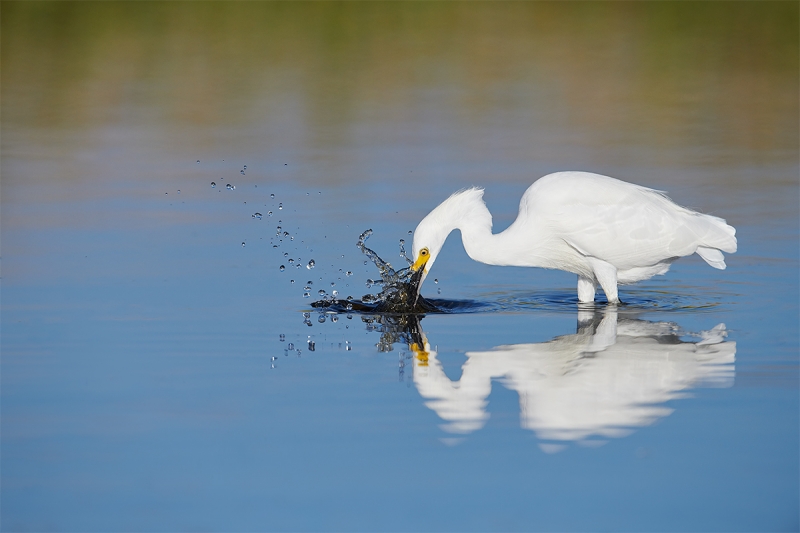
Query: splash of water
x=399, y=288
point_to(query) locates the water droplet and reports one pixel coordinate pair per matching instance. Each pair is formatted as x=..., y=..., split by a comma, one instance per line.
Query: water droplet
x=291, y=281
x=229, y=187
x=290, y=346
x=213, y=185
x=410, y=232
x=269, y=213
x=335, y=293
x=321, y=319
x=310, y=264
x=241, y=172
x=306, y=294
x=282, y=337
x=436, y=280
x=280, y=206
x=245, y=167
x=257, y=215
x=348, y=273
x=285, y=233
x=272, y=196
x=349, y=298
x=242, y=244
x=349, y=307
x=333, y=284
x=311, y=345
x=282, y=268
x=402, y=241
x=334, y=318
x=179, y=191
x=321, y=292
x=198, y=161
x=310, y=282
x=291, y=261
x=285, y=254
x=439, y=291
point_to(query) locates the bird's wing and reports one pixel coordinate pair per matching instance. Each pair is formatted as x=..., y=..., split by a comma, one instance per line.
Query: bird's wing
x=624, y=224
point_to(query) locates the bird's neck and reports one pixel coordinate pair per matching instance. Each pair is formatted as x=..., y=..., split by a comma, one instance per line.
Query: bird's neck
x=484, y=246
x=479, y=241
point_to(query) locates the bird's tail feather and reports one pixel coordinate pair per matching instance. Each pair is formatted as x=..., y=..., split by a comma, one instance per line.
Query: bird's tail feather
x=718, y=234
x=718, y=237
x=712, y=256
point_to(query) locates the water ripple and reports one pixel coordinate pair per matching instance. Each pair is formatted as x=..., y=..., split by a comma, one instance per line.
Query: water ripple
x=556, y=300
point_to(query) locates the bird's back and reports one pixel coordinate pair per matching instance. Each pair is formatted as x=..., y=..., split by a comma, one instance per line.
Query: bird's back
x=627, y=225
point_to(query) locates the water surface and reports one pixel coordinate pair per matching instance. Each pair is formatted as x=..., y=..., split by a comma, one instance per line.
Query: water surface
x=148, y=382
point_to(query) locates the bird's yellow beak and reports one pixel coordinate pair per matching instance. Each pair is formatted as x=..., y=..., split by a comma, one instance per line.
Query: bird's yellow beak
x=422, y=259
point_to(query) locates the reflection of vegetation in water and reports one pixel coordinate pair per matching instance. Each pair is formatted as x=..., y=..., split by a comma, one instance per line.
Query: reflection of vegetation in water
x=66, y=62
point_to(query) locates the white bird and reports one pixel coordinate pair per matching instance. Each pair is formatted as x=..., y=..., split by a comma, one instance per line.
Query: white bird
x=606, y=231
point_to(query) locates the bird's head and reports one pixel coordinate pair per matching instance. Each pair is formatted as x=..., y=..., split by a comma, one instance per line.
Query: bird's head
x=427, y=244
x=433, y=230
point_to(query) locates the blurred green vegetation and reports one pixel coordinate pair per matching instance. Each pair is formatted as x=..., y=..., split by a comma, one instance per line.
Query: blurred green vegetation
x=74, y=63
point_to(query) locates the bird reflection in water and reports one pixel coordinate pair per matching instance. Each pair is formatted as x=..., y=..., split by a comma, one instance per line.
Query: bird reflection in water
x=615, y=374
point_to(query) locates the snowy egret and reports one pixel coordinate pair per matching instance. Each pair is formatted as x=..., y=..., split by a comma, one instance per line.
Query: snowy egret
x=604, y=230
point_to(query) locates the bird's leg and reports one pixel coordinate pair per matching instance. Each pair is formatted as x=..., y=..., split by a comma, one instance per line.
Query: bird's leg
x=586, y=287
x=606, y=274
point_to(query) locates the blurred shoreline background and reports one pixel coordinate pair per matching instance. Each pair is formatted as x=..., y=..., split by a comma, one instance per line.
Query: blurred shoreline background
x=615, y=69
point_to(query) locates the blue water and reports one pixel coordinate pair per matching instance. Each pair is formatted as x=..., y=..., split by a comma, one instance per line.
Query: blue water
x=157, y=374
x=146, y=385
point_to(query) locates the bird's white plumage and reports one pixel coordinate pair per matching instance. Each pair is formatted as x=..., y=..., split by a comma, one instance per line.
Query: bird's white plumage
x=604, y=230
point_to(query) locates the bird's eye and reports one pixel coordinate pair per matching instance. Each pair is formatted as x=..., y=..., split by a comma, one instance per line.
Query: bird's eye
x=423, y=252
